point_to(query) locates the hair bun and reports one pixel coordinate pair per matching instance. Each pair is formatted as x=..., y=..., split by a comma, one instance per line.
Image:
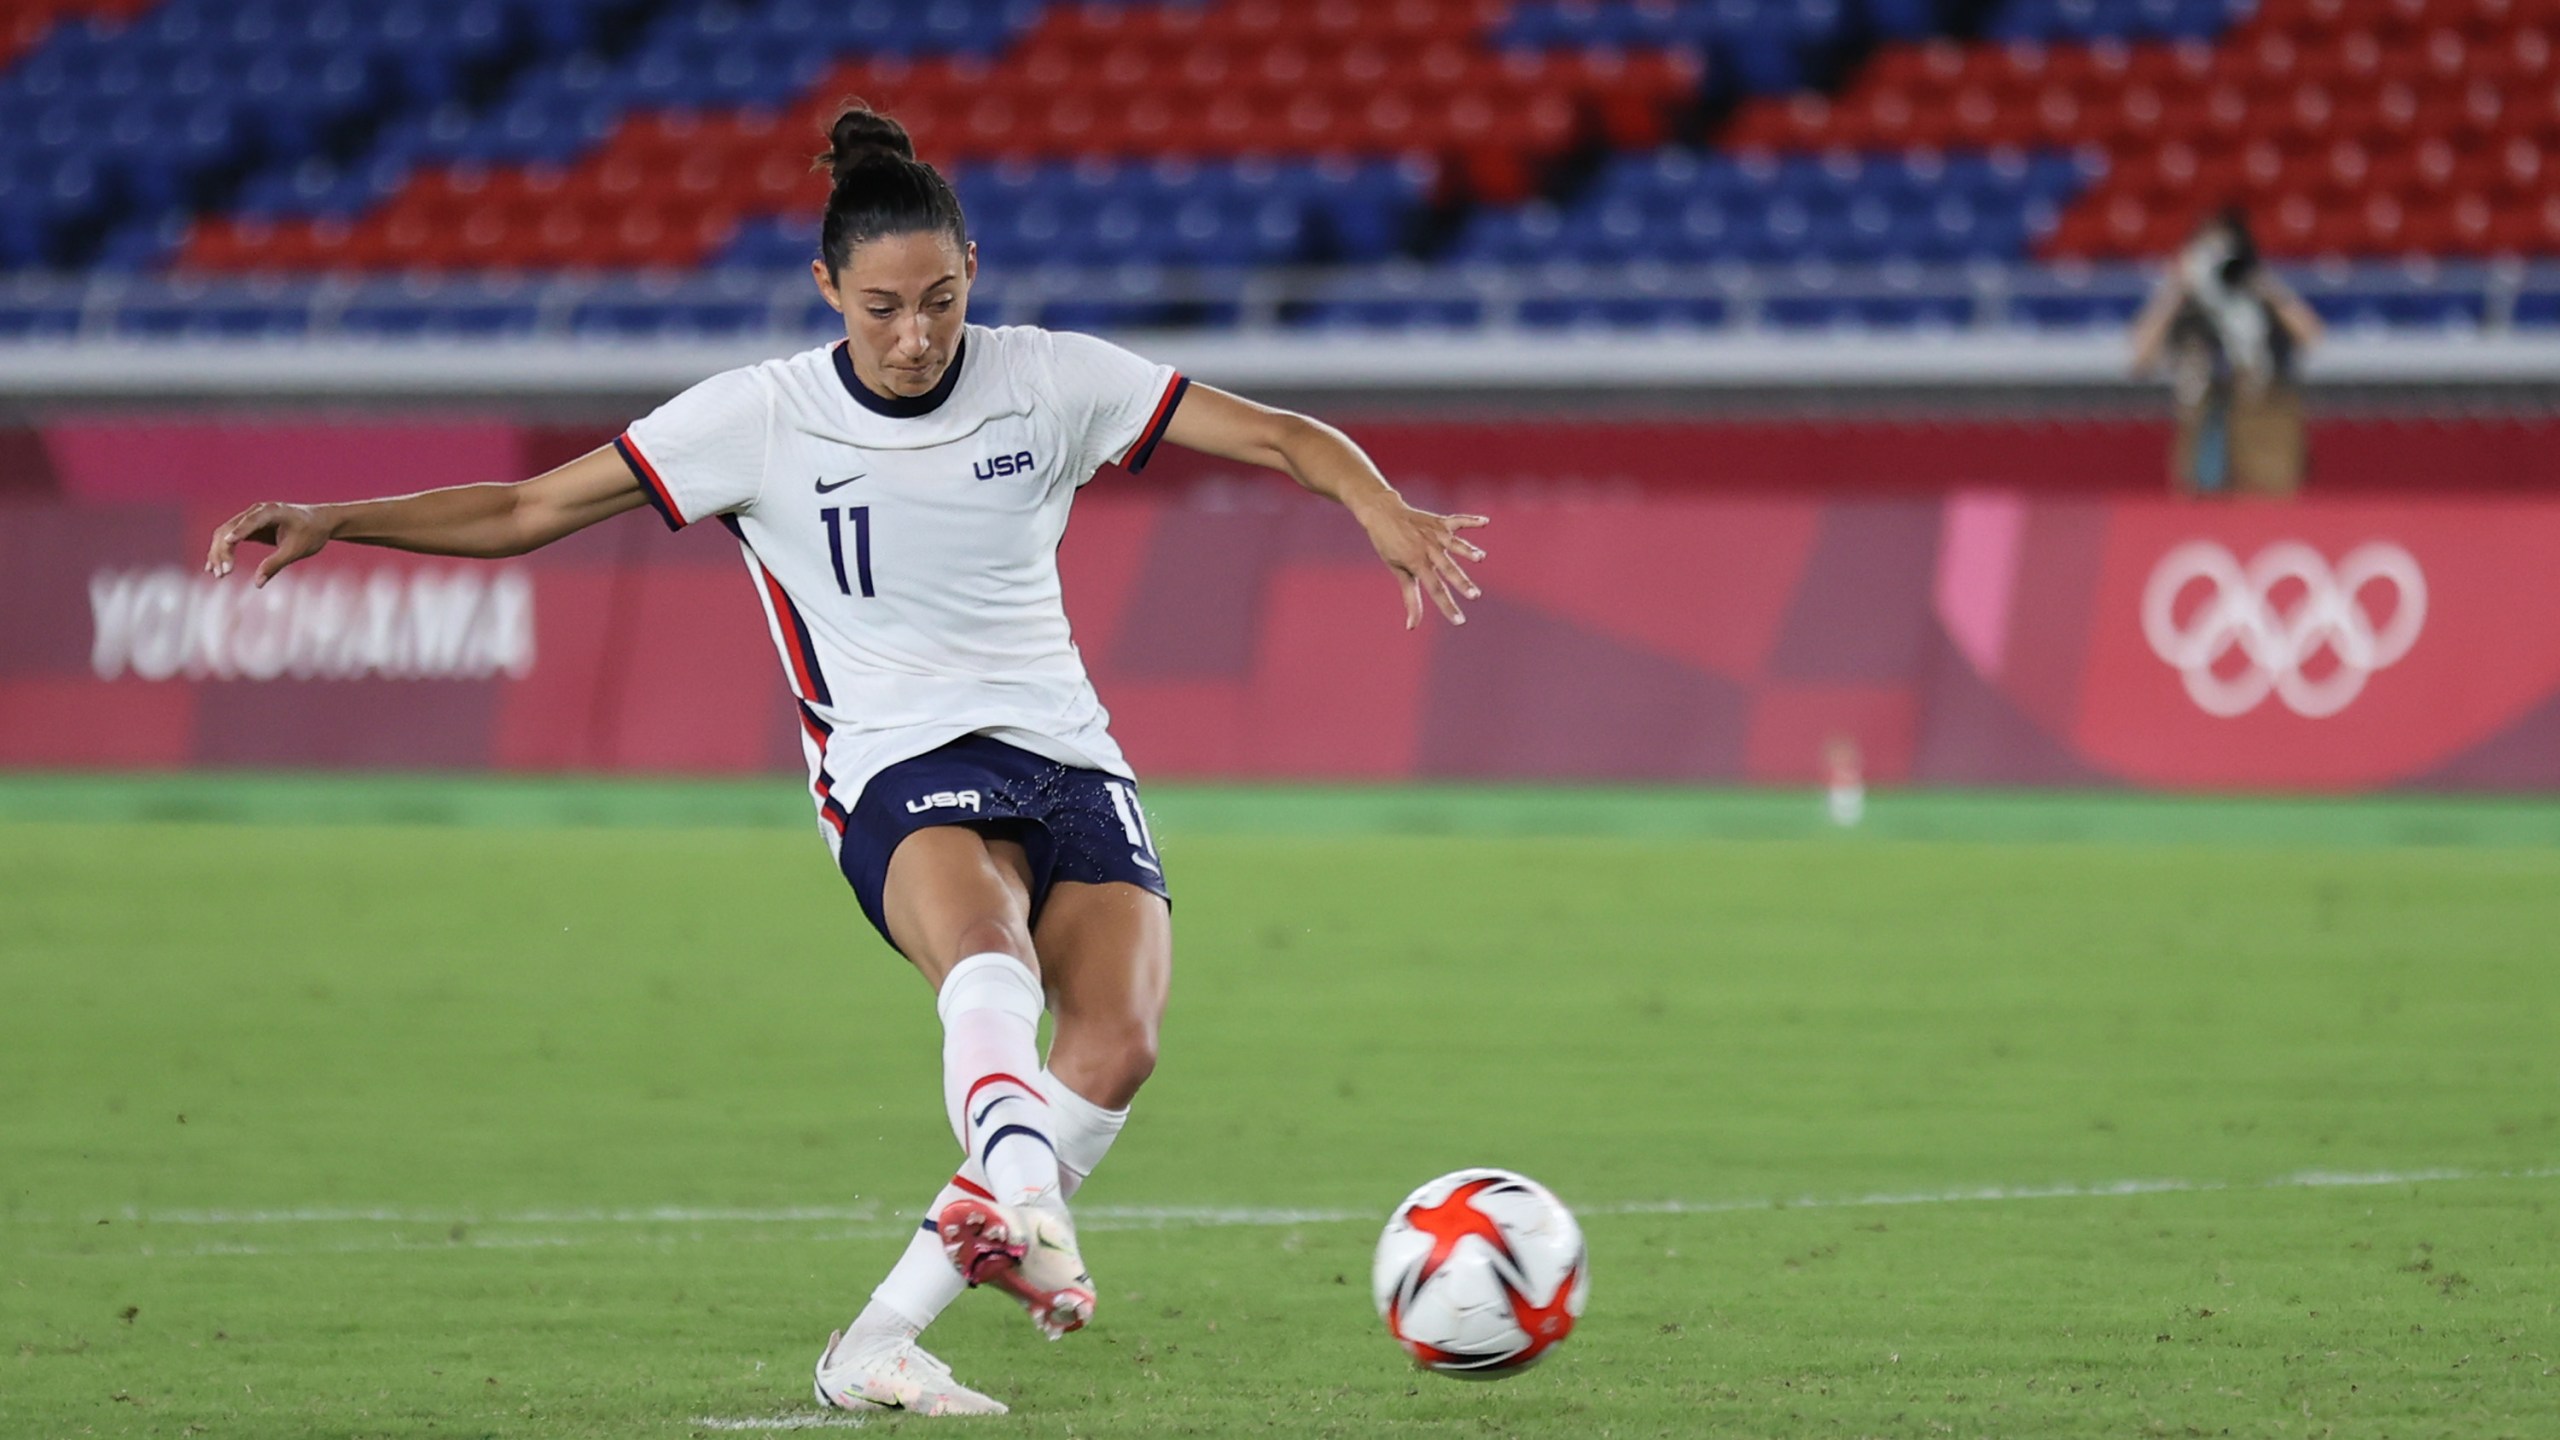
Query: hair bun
x=860, y=134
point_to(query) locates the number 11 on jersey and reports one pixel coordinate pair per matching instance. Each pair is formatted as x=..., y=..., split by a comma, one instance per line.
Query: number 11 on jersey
x=861, y=517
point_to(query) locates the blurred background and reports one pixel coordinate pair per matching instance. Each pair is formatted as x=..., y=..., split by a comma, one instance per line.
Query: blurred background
x=1792, y=342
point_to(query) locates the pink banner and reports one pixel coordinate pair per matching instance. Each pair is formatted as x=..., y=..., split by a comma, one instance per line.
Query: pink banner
x=1630, y=630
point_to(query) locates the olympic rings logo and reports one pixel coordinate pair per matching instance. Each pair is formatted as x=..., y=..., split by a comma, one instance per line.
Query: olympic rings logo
x=2279, y=613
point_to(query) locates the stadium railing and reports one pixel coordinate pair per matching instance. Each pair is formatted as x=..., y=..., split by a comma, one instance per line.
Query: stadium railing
x=1403, y=322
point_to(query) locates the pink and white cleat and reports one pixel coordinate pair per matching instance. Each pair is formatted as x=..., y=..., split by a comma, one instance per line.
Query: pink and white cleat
x=892, y=1372
x=1028, y=1251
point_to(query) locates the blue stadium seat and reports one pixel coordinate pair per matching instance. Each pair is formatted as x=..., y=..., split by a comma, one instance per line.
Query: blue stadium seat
x=42, y=315
x=780, y=243
x=1820, y=304
x=645, y=318
x=458, y=308
x=1615, y=298
x=2081, y=21
x=2387, y=306
x=2077, y=298
x=1398, y=298
x=1756, y=46
x=234, y=314
x=1848, y=208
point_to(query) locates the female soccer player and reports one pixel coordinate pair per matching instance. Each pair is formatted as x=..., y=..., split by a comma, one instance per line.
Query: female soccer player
x=900, y=496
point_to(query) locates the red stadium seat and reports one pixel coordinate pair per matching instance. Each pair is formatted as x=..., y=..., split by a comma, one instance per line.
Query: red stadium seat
x=2360, y=126
x=1974, y=116
x=223, y=243
x=2471, y=214
x=1336, y=17
x=2546, y=238
x=1444, y=62
x=2521, y=169
x=2404, y=170
x=1257, y=19
x=1283, y=64
x=2057, y=117
x=1876, y=117
x=2021, y=65
x=2289, y=225
x=1771, y=123
x=1387, y=123
x=1229, y=124
x=2306, y=117
x=2384, y=219
x=1052, y=67
x=2528, y=53
x=2128, y=223
x=2346, y=167
x=1147, y=125
x=1066, y=126
x=2090, y=69
x=2272, y=55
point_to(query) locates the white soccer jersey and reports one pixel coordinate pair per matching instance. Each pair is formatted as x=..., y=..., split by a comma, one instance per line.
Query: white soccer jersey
x=905, y=550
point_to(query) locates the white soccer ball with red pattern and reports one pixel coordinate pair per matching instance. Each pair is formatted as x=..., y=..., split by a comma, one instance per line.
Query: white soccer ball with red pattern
x=1480, y=1274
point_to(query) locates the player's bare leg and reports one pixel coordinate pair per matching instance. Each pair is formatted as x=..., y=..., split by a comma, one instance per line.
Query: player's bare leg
x=953, y=893
x=1107, y=955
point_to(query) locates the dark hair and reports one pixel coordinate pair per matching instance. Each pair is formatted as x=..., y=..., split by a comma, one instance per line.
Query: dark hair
x=879, y=187
x=2244, y=246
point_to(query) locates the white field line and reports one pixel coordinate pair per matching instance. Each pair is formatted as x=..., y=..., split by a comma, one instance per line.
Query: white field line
x=389, y=1215
x=1139, y=1216
x=782, y=1422
x=864, y=1223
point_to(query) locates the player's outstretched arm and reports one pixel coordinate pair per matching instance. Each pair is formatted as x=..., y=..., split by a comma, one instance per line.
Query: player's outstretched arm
x=481, y=521
x=1424, y=549
x=2292, y=311
x=2150, y=334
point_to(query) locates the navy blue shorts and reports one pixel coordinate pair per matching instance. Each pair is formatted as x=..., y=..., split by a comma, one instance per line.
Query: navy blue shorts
x=1075, y=824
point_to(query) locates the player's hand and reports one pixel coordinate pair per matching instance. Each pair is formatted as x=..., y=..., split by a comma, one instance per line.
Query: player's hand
x=1424, y=550
x=297, y=532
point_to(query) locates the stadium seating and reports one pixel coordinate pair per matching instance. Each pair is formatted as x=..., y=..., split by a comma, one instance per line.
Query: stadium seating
x=1751, y=47
x=1239, y=133
x=25, y=23
x=135, y=122
x=2382, y=129
x=1445, y=162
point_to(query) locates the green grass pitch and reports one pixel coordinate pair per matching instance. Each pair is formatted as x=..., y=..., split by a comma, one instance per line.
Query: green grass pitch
x=2004, y=1117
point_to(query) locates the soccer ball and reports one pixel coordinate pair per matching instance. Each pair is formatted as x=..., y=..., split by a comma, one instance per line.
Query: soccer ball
x=1480, y=1273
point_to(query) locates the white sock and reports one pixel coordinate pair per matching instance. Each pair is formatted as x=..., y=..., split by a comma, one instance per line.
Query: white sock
x=990, y=1006
x=922, y=1284
x=1084, y=1131
x=919, y=1287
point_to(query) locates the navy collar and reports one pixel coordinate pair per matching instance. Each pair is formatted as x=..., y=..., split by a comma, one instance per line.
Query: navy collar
x=899, y=407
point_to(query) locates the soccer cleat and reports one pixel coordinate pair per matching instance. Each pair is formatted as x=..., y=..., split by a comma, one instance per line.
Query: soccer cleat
x=893, y=1372
x=1028, y=1251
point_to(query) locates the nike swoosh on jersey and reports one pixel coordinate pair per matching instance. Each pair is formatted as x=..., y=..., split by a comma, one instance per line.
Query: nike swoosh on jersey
x=826, y=488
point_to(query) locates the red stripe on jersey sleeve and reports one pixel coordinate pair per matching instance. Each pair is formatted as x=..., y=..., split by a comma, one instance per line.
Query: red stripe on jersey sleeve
x=661, y=498
x=1144, y=447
